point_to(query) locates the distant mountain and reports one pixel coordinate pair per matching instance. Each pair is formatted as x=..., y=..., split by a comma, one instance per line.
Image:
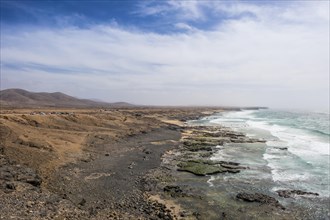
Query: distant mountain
x=23, y=98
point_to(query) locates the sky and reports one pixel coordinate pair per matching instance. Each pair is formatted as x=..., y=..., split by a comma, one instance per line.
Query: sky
x=227, y=53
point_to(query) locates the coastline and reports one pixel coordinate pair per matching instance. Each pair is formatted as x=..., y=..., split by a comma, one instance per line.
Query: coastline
x=242, y=191
x=82, y=164
x=129, y=164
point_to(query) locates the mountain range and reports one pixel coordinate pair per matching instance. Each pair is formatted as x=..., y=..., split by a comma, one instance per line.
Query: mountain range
x=23, y=98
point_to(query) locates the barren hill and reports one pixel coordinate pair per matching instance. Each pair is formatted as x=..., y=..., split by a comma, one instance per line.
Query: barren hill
x=23, y=98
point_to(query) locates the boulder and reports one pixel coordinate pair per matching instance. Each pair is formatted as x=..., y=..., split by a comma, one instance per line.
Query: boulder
x=260, y=198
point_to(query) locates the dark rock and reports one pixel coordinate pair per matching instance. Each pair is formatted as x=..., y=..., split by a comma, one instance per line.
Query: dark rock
x=161, y=215
x=234, y=134
x=147, y=151
x=92, y=211
x=107, y=154
x=35, y=181
x=27, y=175
x=147, y=184
x=230, y=167
x=198, y=146
x=291, y=193
x=243, y=139
x=260, y=198
x=253, y=140
x=82, y=202
x=223, y=163
x=174, y=191
x=281, y=148
x=131, y=165
x=10, y=185
x=173, y=127
x=6, y=175
x=172, y=188
x=205, y=154
x=197, y=214
x=43, y=213
x=200, y=169
x=211, y=134
x=233, y=171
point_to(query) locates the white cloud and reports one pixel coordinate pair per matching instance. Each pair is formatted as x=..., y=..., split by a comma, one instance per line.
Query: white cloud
x=183, y=10
x=189, y=10
x=246, y=61
x=184, y=26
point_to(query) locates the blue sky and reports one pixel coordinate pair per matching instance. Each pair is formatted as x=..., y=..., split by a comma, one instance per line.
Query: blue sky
x=273, y=53
x=60, y=13
x=151, y=16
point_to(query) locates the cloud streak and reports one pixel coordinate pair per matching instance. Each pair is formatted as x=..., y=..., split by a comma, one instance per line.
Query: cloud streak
x=267, y=57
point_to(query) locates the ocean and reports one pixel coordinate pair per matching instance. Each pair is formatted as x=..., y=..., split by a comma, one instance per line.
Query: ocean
x=295, y=156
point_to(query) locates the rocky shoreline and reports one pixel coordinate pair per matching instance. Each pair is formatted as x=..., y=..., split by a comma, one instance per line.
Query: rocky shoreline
x=132, y=164
x=197, y=145
x=190, y=188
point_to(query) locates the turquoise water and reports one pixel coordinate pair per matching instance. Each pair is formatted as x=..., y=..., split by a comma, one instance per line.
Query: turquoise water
x=295, y=156
x=296, y=150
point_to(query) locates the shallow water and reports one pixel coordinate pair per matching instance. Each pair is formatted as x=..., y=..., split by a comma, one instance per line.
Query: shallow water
x=295, y=156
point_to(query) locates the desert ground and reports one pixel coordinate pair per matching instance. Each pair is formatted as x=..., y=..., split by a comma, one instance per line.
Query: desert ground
x=88, y=163
x=124, y=163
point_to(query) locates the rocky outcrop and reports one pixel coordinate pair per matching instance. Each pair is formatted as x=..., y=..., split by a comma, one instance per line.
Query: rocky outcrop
x=198, y=146
x=13, y=175
x=260, y=198
x=201, y=142
x=174, y=191
x=200, y=169
x=292, y=193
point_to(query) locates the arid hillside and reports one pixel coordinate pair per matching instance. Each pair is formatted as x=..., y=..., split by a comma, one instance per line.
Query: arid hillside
x=23, y=98
x=46, y=139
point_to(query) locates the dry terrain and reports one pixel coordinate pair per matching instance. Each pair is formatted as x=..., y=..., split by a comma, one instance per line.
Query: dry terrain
x=87, y=163
x=19, y=98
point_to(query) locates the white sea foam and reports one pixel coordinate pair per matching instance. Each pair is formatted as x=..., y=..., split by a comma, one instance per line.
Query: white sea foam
x=221, y=120
x=210, y=181
x=295, y=156
x=298, y=142
x=270, y=156
x=218, y=156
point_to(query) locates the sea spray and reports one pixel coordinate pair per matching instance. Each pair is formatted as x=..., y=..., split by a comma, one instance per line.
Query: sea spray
x=294, y=157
